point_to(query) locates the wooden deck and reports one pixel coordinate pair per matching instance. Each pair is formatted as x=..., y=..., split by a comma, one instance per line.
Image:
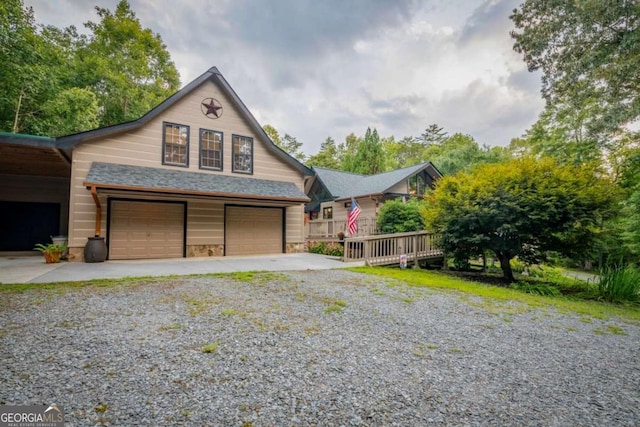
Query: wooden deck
x=386, y=249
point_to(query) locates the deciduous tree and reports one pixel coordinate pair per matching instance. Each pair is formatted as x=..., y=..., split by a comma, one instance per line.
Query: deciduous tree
x=127, y=66
x=588, y=53
x=522, y=207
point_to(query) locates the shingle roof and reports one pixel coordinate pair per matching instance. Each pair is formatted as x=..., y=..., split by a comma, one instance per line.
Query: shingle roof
x=345, y=184
x=117, y=176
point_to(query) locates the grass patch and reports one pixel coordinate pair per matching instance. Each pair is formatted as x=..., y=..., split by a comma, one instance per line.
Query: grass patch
x=562, y=303
x=228, y=312
x=171, y=327
x=333, y=308
x=616, y=330
x=258, y=277
x=211, y=348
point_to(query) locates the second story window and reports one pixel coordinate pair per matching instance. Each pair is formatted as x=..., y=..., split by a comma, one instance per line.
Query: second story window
x=210, y=149
x=175, y=148
x=242, y=154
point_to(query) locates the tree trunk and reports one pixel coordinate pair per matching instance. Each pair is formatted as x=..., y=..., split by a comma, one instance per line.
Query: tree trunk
x=505, y=265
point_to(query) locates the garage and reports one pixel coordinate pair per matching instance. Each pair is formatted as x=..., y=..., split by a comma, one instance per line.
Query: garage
x=146, y=229
x=253, y=230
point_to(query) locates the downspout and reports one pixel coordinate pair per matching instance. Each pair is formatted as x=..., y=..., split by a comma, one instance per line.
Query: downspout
x=94, y=194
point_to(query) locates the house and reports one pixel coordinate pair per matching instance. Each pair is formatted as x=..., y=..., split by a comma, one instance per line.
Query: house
x=331, y=191
x=195, y=176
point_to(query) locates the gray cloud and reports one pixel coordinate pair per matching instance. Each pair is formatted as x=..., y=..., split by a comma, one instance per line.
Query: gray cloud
x=315, y=69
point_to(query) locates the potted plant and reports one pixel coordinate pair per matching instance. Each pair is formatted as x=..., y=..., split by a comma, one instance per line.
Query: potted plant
x=341, y=237
x=51, y=251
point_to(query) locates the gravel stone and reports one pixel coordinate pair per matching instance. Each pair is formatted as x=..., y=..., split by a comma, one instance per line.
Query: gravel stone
x=315, y=348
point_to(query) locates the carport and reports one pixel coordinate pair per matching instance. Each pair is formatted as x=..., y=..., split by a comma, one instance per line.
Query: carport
x=34, y=191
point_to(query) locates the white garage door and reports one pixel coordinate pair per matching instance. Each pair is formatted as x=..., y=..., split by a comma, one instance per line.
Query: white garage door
x=146, y=230
x=253, y=231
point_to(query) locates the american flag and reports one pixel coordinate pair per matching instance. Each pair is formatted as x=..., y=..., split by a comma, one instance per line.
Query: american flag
x=352, y=218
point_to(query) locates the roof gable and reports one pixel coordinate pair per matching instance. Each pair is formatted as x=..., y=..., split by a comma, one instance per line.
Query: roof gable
x=213, y=75
x=345, y=184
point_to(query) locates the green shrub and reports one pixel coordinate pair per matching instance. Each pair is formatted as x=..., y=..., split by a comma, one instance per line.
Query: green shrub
x=396, y=216
x=331, y=249
x=317, y=248
x=618, y=283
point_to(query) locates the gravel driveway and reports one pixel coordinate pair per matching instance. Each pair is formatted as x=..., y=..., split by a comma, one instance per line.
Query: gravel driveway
x=311, y=348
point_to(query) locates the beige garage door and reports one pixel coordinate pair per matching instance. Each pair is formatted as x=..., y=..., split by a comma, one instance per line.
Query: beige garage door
x=146, y=230
x=253, y=231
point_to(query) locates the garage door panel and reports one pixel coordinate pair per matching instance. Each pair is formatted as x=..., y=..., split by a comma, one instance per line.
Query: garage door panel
x=146, y=230
x=253, y=230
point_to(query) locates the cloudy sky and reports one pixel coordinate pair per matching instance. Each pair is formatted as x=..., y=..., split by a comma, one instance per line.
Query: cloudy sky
x=319, y=68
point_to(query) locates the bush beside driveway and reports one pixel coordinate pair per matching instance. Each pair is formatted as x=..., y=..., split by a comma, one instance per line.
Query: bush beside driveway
x=327, y=347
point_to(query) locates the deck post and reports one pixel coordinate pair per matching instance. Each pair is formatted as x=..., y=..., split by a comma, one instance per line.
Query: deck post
x=416, y=263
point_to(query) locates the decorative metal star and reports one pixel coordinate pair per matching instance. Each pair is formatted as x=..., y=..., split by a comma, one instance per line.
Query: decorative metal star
x=211, y=108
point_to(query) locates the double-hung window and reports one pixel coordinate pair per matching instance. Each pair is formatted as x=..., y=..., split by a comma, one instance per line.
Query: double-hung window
x=242, y=154
x=175, y=147
x=210, y=149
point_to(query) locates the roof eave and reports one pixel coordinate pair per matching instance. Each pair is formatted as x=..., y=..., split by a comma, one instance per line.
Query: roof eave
x=409, y=175
x=181, y=192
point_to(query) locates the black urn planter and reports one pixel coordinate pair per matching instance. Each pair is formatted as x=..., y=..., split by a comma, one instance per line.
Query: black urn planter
x=95, y=250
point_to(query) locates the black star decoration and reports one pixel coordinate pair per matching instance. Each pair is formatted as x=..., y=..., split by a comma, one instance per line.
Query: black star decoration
x=212, y=109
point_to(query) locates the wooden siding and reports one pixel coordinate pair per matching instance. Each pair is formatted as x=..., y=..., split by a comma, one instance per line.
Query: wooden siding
x=367, y=206
x=143, y=147
x=400, y=188
x=22, y=188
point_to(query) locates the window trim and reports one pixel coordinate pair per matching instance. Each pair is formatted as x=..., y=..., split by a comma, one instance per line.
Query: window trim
x=233, y=162
x=164, y=145
x=211, y=168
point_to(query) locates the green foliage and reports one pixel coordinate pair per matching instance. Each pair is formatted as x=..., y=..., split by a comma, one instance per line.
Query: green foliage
x=288, y=143
x=324, y=248
x=50, y=248
x=619, y=283
x=587, y=52
x=461, y=153
x=523, y=207
x=28, y=68
x=127, y=66
x=369, y=158
x=327, y=157
x=56, y=82
x=536, y=288
x=396, y=216
x=71, y=110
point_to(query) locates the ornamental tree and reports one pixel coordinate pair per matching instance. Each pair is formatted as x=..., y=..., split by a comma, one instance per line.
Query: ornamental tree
x=522, y=207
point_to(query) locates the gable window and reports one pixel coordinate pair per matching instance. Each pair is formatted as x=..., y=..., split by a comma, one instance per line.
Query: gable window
x=210, y=149
x=175, y=147
x=417, y=186
x=242, y=154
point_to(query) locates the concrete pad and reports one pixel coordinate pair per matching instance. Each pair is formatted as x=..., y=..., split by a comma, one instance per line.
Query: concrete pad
x=77, y=271
x=22, y=269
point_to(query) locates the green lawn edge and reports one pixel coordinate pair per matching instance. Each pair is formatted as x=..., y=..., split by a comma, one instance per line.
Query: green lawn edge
x=439, y=280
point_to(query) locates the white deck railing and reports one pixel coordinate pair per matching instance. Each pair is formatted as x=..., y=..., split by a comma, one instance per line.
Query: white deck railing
x=385, y=249
x=331, y=227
